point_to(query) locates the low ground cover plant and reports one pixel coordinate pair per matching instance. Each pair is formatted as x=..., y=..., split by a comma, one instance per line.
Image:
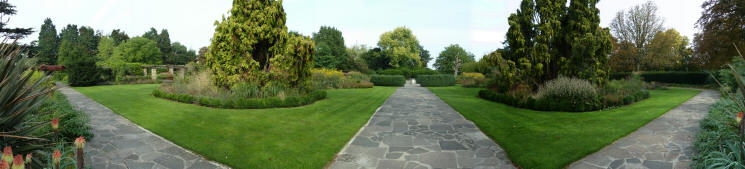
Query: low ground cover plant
x=388, y=80
x=436, y=80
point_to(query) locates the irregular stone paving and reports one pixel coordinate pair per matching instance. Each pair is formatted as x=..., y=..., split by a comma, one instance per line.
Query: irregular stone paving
x=118, y=143
x=414, y=129
x=664, y=143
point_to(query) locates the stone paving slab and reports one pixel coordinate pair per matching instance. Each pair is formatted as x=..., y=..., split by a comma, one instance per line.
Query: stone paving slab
x=664, y=143
x=414, y=129
x=120, y=144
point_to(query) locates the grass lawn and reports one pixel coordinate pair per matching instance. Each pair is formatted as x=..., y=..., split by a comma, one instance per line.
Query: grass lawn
x=553, y=140
x=282, y=138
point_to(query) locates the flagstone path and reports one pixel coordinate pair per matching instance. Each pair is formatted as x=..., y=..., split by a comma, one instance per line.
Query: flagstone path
x=118, y=143
x=414, y=129
x=664, y=143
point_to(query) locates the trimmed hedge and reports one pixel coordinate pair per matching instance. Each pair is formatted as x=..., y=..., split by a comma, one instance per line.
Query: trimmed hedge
x=695, y=78
x=388, y=80
x=408, y=73
x=436, y=80
x=549, y=104
x=244, y=103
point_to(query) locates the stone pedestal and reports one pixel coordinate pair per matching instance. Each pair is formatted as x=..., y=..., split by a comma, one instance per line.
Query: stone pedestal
x=181, y=72
x=144, y=71
x=170, y=70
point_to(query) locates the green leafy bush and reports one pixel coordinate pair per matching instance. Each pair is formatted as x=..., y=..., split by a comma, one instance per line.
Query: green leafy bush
x=388, y=80
x=436, y=80
x=244, y=103
x=83, y=73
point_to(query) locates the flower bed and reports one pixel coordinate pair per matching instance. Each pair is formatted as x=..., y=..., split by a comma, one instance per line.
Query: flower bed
x=244, y=103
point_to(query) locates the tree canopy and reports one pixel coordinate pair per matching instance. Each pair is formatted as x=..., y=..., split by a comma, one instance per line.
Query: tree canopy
x=250, y=43
x=6, y=10
x=139, y=50
x=445, y=62
x=330, y=50
x=401, y=47
x=547, y=39
x=722, y=27
x=638, y=25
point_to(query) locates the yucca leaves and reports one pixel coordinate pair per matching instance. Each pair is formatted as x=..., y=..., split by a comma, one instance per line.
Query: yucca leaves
x=20, y=95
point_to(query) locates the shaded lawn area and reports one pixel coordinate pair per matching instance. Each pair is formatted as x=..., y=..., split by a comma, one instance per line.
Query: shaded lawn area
x=302, y=137
x=553, y=140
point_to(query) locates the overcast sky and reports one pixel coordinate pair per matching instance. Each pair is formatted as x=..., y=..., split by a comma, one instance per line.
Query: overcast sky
x=477, y=25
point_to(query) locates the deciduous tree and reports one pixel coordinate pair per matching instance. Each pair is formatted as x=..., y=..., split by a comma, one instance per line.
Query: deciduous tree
x=139, y=50
x=402, y=48
x=637, y=25
x=446, y=61
x=722, y=26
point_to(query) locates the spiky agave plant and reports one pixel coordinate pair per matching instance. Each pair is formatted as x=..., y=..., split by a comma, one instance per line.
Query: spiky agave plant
x=19, y=96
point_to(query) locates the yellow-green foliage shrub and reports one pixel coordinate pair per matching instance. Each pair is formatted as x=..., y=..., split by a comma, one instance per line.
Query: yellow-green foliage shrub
x=470, y=79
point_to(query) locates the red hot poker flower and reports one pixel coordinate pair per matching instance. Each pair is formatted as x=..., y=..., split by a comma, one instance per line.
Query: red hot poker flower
x=80, y=142
x=4, y=165
x=55, y=123
x=28, y=158
x=739, y=117
x=7, y=154
x=56, y=156
x=18, y=162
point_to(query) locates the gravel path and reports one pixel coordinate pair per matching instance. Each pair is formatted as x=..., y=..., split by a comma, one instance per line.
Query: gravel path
x=664, y=143
x=120, y=144
x=414, y=129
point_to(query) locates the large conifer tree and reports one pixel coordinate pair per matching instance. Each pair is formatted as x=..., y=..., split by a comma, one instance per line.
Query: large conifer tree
x=48, y=43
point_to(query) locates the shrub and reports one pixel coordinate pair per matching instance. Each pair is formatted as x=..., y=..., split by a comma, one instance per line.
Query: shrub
x=83, y=73
x=435, y=80
x=326, y=78
x=580, y=94
x=245, y=103
x=73, y=123
x=695, y=78
x=408, y=73
x=388, y=80
x=473, y=80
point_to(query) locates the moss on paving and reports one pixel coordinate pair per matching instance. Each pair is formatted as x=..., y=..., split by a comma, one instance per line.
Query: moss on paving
x=301, y=137
x=553, y=140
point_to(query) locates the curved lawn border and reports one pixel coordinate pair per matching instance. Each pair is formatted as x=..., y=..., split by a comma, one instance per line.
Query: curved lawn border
x=553, y=140
x=241, y=103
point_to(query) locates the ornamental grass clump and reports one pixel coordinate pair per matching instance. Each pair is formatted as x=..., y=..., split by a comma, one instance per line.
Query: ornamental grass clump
x=577, y=94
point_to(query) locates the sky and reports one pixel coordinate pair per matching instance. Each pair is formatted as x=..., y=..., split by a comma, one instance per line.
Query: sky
x=479, y=26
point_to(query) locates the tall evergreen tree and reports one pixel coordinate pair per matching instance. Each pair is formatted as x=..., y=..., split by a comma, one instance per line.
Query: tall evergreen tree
x=424, y=56
x=547, y=39
x=164, y=43
x=253, y=45
x=48, y=43
x=6, y=10
x=330, y=49
x=585, y=45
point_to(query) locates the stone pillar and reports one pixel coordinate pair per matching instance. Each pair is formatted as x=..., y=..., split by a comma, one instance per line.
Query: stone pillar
x=181, y=72
x=144, y=71
x=154, y=73
x=170, y=70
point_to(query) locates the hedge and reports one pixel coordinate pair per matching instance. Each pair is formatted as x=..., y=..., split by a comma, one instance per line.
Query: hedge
x=244, y=103
x=436, y=80
x=388, y=80
x=548, y=104
x=408, y=73
x=696, y=78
